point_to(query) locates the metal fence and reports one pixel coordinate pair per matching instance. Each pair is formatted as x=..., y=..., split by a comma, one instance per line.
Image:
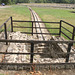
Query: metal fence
x=59, y=29
x=32, y=27
x=70, y=42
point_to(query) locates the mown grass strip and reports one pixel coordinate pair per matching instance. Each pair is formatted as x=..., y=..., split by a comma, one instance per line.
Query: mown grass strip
x=53, y=15
x=18, y=13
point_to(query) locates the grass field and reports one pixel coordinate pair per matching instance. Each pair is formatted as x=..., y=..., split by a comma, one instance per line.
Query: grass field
x=55, y=15
x=18, y=13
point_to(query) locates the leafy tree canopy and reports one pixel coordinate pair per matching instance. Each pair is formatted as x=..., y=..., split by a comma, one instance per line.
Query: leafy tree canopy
x=36, y=1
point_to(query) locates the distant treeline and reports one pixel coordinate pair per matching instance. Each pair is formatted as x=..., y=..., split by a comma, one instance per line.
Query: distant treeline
x=36, y=1
x=54, y=1
x=14, y=1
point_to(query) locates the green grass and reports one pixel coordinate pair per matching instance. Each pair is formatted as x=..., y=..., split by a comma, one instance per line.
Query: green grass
x=55, y=15
x=18, y=12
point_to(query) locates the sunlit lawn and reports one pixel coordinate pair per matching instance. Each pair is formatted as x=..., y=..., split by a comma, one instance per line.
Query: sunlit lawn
x=18, y=13
x=55, y=15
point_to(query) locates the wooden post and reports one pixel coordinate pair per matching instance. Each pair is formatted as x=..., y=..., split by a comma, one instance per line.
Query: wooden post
x=32, y=28
x=60, y=28
x=11, y=25
x=68, y=50
x=32, y=51
x=5, y=28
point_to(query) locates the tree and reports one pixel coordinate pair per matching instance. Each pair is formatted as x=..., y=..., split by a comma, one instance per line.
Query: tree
x=36, y=1
x=44, y=1
x=6, y=1
x=0, y=2
x=72, y=1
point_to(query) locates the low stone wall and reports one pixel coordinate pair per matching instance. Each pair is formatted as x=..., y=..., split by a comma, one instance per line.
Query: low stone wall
x=38, y=48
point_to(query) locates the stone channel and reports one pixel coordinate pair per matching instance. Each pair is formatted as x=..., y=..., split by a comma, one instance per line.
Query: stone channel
x=25, y=48
x=51, y=48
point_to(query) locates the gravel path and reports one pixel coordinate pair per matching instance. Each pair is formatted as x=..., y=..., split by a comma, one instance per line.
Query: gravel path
x=5, y=6
x=39, y=30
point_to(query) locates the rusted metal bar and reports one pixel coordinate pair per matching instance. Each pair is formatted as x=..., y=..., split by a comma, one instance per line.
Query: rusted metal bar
x=37, y=41
x=5, y=28
x=11, y=25
x=68, y=50
x=32, y=51
x=36, y=21
x=66, y=35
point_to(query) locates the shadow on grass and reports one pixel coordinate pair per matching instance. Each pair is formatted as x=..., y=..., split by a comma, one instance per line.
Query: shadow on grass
x=72, y=11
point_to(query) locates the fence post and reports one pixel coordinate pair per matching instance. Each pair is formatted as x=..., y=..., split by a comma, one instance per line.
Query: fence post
x=32, y=51
x=32, y=28
x=60, y=28
x=11, y=25
x=68, y=50
x=5, y=28
x=73, y=34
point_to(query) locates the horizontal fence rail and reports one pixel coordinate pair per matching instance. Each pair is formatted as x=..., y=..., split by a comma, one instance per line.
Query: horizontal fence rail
x=36, y=21
x=34, y=27
x=59, y=29
x=36, y=53
x=32, y=42
x=32, y=53
x=37, y=27
x=66, y=35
